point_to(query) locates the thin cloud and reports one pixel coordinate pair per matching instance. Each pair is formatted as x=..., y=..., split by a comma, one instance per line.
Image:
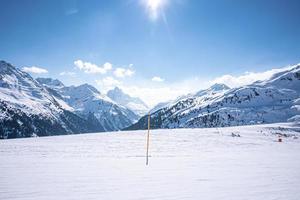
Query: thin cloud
x=35, y=70
x=66, y=73
x=122, y=72
x=247, y=77
x=108, y=83
x=153, y=94
x=157, y=79
x=91, y=68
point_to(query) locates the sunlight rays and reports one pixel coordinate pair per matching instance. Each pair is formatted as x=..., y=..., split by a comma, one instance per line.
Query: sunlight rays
x=154, y=8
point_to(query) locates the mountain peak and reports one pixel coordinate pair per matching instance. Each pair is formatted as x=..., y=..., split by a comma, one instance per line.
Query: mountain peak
x=219, y=86
x=133, y=103
x=288, y=78
x=6, y=67
x=116, y=91
x=215, y=88
x=4, y=63
x=50, y=82
x=82, y=91
x=88, y=87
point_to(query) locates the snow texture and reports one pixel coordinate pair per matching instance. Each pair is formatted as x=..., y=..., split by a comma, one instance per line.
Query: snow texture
x=85, y=100
x=184, y=164
x=269, y=101
x=44, y=106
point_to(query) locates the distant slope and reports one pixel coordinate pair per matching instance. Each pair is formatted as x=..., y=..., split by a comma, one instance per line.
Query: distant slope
x=86, y=101
x=216, y=88
x=274, y=100
x=133, y=103
x=28, y=109
x=45, y=107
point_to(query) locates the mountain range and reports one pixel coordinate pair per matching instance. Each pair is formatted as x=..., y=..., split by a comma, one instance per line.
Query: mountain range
x=276, y=99
x=45, y=106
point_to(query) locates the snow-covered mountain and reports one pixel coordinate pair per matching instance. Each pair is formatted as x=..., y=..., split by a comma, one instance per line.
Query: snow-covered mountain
x=50, y=82
x=216, y=88
x=28, y=109
x=273, y=100
x=133, y=103
x=44, y=106
x=86, y=101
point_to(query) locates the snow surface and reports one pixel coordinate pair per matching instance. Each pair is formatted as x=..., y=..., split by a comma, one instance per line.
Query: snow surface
x=86, y=99
x=269, y=101
x=20, y=91
x=184, y=164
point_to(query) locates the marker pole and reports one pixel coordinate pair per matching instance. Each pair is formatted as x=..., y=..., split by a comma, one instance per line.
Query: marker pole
x=148, y=136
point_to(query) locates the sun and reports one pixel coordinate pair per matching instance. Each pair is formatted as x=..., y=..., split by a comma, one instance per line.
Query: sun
x=154, y=7
x=154, y=4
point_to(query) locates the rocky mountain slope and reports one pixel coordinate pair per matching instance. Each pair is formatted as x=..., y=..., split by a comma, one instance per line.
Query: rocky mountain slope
x=28, y=109
x=274, y=100
x=133, y=103
x=86, y=101
x=216, y=88
x=44, y=107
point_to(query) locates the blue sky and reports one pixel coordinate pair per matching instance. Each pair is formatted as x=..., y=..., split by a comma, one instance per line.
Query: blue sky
x=163, y=48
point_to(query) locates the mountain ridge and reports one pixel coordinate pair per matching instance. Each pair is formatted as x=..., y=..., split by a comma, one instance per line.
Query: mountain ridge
x=86, y=100
x=28, y=109
x=133, y=103
x=44, y=106
x=273, y=100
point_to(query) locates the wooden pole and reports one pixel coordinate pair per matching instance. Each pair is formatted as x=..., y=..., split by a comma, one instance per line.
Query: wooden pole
x=148, y=136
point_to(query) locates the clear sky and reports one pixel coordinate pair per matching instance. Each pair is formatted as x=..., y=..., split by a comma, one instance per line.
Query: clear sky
x=154, y=49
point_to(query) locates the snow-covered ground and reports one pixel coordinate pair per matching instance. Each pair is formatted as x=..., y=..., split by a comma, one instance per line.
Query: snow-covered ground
x=184, y=164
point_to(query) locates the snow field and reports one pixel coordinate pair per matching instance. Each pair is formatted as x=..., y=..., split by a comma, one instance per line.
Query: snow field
x=184, y=164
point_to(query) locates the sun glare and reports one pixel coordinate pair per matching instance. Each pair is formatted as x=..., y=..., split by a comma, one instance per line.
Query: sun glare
x=154, y=7
x=154, y=4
